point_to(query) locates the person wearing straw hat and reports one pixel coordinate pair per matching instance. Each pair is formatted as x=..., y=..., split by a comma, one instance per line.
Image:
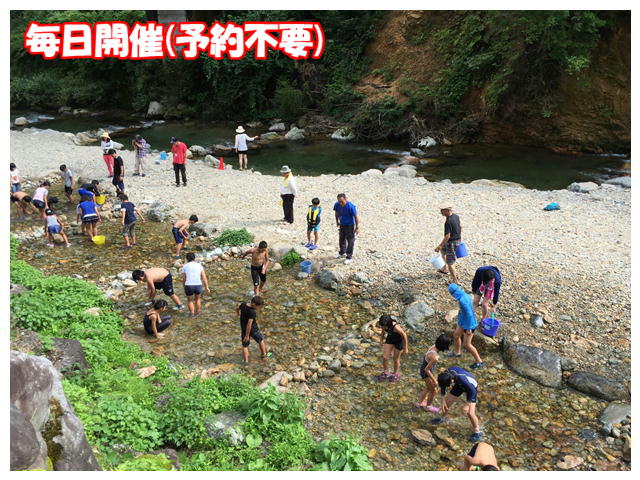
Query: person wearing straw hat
x=107, y=144
x=241, y=145
x=288, y=192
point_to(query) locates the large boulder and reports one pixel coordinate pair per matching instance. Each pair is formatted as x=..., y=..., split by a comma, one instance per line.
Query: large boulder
x=21, y=122
x=28, y=448
x=211, y=161
x=36, y=391
x=198, y=151
x=67, y=356
x=84, y=138
x=624, y=182
x=598, y=386
x=203, y=229
x=372, y=172
x=427, y=142
x=343, y=134
x=223, y=150
x=295, y=135
x=539, y=365
x=615, y=412
x=407, y=172
x=416, y=314
x=155, y=109
x=583, y=187
x=328, y=279
x=277, y=127
x=226, y=425
x=159, y=211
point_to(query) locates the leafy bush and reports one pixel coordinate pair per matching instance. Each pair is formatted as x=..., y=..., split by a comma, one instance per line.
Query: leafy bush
x=341, y=454
x=290, y=259
x=266, y=406
x=148, y=462
x=233, y=238
x=290, y=447
x=289, y=101
x=120, y=420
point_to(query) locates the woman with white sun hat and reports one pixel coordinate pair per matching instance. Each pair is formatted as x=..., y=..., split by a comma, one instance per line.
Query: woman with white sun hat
x=241, y=145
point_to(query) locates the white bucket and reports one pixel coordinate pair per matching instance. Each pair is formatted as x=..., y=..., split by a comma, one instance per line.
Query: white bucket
x=437, y=261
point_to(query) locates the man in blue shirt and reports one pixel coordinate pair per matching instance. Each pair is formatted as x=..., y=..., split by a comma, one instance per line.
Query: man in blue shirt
x=348, y=222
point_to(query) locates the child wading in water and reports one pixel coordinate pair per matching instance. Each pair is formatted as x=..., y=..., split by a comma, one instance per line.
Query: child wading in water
x=53, y=225
x=467, y=324
x=128, y=220
x=427, y=370
x=153, y=322
x=259, y=264
x=180, y=234
x=313, y=223
x=395, y=345
x=249, y=327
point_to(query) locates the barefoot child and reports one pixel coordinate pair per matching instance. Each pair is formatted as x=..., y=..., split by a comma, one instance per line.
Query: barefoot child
x=157, y=279
x=460, y=382
x=395, y=345
x=481, y=457
x=249, y=327
x=53, y=225
x=180, y=234
x=193, y=279
x=259, y=264
x=154, y=322
x=129, y=219
x=313, y=223
x=427, y=370
x=88, y=212
x=467, y=324
x=14, y=178
x=40, y=198
x=22, y=201
x=67, y=176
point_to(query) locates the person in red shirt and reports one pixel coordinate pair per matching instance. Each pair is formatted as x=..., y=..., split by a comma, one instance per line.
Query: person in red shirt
x=179, y=150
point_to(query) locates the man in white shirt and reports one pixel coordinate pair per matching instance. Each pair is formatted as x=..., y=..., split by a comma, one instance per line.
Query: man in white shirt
x=288, y=192
x=193, y=279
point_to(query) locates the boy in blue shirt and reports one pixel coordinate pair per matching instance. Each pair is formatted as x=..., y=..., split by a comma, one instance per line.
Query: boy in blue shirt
x=313, y=223
x=129, y=218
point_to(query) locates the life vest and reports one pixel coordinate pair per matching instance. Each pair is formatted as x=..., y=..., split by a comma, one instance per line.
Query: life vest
x=312, y=216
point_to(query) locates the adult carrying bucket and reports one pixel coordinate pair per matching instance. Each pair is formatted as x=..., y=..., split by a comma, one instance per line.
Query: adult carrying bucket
x=437, y=261
x=306, y=266
x=461, y=251
x=490, y=326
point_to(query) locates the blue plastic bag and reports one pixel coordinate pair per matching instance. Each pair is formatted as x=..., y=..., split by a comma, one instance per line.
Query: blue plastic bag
x=552, y=206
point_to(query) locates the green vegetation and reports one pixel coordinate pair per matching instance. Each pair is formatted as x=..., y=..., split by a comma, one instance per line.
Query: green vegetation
x=341, y=454
x=125, y=416
x=290, y=259
x=233, y=238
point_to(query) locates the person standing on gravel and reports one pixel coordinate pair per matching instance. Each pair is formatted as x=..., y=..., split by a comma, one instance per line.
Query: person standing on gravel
x=107, y=144
x=140, y=146
x=348, y=221
x=452, y=238
x=288, y=192
x=241, y=145
x=179, y=151
x=486, y=287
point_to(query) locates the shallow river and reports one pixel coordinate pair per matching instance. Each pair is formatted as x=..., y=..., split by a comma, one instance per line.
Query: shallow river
x=531, y=427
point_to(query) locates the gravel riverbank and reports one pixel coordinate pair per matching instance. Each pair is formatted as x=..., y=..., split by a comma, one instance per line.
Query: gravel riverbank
x=573, y=265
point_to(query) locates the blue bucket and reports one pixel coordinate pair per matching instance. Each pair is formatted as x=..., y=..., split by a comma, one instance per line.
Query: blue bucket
x=306, y=266
x=461, y=251
x=490, y=326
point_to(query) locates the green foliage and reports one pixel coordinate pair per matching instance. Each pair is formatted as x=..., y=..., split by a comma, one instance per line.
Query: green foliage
x=288, y=101
x=291, y=447
x=148, y=462
x=341, y=454
x=233, y=238
x=290, y=259
x=380, y=119
x=267, y=406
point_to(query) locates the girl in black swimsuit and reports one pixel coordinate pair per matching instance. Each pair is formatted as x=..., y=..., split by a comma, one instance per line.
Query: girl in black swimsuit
x=395, y=345
x=153, y=322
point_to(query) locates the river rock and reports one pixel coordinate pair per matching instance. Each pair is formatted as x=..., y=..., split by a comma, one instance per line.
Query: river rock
x=28, y=449
x=615, y=412
x=343, y=134
x=372, y=172
x=295, y=135
x=203, y=229
x=391, y=171
x=328, y=373
x=583, y=187
x=198, y=151
x=159, y=211
x=67, y=356
x=275, y=380
x=360, y=277
x=84, y=138
x=496, y=183
x=427, y=142
x=226, y=425
x=17, y=289
x=223, y=150
x=277, y=127
x=423, y=437
x=21, y=122
x=276, y=267
x=624, y=182
x=485, y=344
x=569, y=462
x=598, y=386
x=302, y=275
x=36, y=391
x=212, y=161
x=328, y=279
x=155, y=109
x=269, y=137
x=421, y=181
x=416, y=314
x=336, y=365
x=124, y=275
x=537, y=321
x=406, y=172
x=539, y=365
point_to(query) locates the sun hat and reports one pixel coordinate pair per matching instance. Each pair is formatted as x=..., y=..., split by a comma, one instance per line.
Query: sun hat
x=285, y=169
x=105, y=135
x=240, y=129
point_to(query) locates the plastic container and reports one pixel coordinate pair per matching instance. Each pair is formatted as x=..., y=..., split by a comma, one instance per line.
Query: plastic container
x=306, y=266
x=100, y=199
x=99, y=239
x=490, y=326
x=437, y=261
x=461, y=251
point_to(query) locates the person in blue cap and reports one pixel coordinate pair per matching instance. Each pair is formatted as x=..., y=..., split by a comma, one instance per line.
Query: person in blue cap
x=466, y=326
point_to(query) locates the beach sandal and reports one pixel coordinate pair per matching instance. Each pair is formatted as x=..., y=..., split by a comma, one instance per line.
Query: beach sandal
x=267, y=355
x=477, y=365
x=476, y=436
x=307, y=245
x=439, y=420
x=313, y=247
x=419, y=405
x=394, y=378
x=50, y=245
x=383, y=376
x=453, y=355
x=431, y=409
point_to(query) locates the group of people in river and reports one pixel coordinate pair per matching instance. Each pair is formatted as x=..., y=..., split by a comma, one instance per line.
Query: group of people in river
x=451, y=382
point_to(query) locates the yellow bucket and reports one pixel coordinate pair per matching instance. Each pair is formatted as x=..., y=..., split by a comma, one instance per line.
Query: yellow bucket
x=98, y=239
x=100, y=199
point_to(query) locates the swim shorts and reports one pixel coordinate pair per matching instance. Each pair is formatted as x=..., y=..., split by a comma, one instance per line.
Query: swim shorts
x=177, y=236
x=254, y=333
x=396, y=340
x=90, y=218
x=38, y=204
x=472, y=393
x=311, y=228
x=129, y=229
x=190, y=290
x=166, y=285
x=423, y=368
x=68, y=190
x=54, y=229
x=257, y=275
